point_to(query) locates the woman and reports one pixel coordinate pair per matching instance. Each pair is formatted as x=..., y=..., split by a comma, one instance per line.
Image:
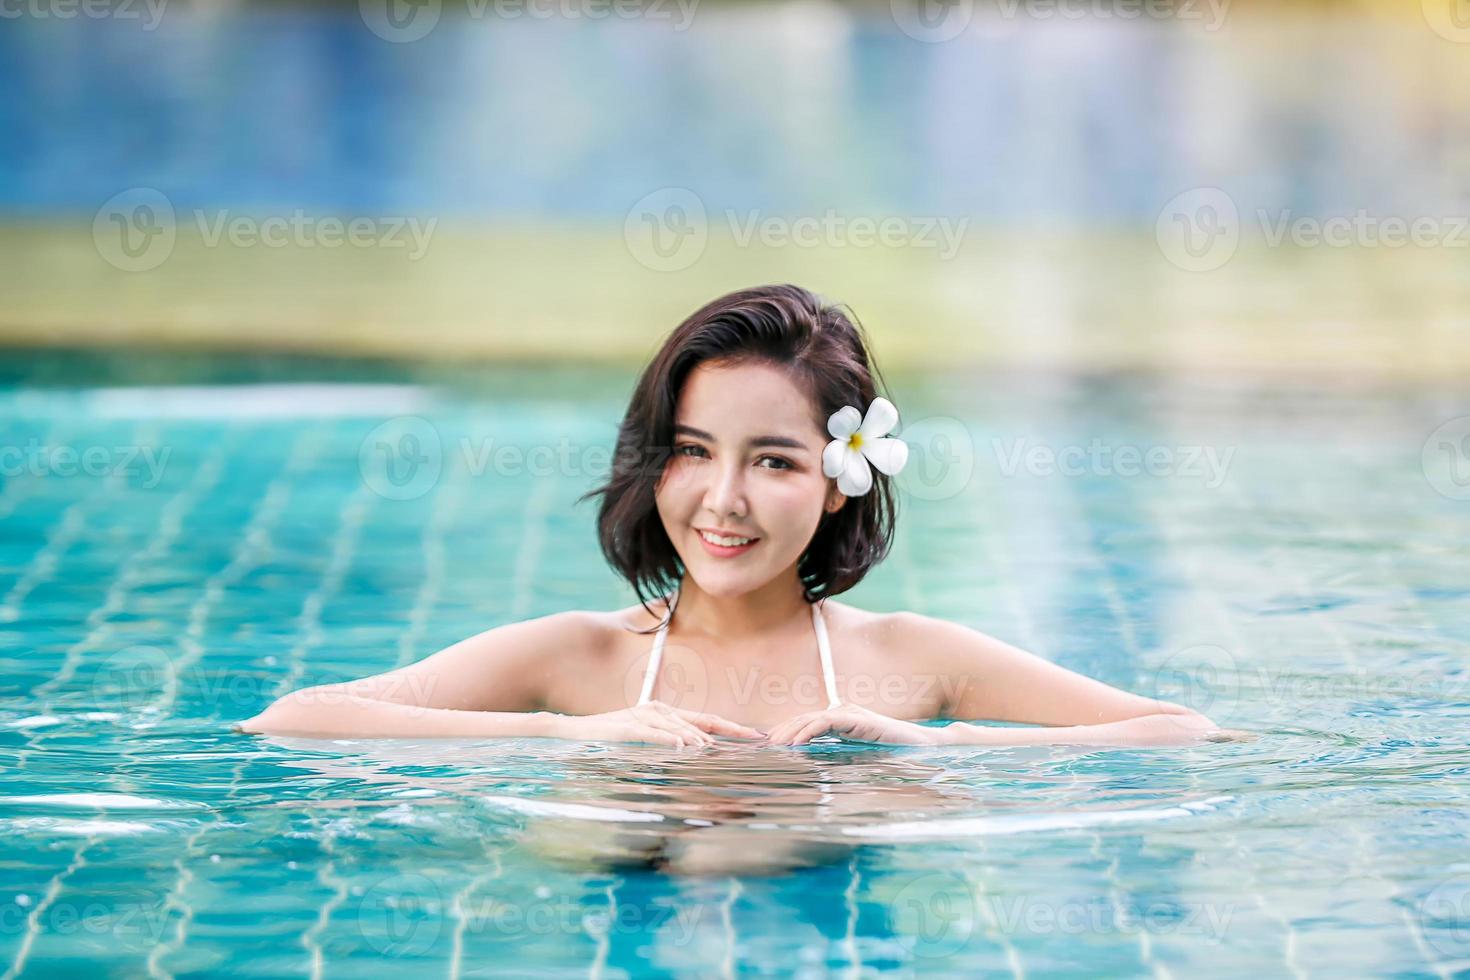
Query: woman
x=743, y=498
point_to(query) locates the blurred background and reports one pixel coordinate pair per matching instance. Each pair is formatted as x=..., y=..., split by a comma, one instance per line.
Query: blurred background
x=1083, y=185
x=317, y=320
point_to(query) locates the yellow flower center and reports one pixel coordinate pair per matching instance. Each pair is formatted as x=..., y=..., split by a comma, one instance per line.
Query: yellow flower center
x=855, y=440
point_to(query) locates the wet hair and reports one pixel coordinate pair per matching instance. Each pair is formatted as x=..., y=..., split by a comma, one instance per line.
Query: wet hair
x=825, y=352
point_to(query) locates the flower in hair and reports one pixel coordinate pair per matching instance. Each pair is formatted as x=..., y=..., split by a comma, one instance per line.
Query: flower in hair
x=857, y=441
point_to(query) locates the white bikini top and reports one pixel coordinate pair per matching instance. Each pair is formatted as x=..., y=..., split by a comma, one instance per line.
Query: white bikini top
x=650, y=676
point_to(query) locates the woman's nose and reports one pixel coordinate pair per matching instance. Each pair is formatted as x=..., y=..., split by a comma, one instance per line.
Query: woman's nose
x=725, y=493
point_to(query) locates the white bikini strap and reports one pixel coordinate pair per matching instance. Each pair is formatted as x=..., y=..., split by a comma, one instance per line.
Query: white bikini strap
x=650, y=675
x=824, y=647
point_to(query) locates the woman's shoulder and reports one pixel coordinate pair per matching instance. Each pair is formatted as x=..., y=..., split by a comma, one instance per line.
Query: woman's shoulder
x=884, y=633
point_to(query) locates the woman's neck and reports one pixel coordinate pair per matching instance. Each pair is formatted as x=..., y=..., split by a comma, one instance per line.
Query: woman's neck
x=734, y=618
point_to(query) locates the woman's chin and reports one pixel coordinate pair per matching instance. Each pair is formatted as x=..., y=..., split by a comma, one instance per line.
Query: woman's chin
x=722, y=584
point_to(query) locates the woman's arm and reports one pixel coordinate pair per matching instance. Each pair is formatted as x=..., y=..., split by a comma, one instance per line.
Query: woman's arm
x=986, y=678
x=1178, y=728
x=487, y=685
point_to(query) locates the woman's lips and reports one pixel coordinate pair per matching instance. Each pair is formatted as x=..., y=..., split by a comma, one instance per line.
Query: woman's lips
x=720, y=551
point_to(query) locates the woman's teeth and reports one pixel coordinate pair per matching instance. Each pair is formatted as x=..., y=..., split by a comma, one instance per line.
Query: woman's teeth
x=726, y=542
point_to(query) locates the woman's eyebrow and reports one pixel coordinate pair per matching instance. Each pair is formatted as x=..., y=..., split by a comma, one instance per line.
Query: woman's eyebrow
x=784, y=442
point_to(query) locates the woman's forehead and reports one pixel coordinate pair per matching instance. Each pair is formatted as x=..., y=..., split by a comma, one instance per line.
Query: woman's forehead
x=746, y=398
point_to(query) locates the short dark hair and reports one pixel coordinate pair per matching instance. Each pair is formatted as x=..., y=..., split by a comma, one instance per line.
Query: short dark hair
x=826, y=352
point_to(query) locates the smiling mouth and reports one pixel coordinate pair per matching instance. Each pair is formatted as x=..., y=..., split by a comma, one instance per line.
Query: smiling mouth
x=715, y=545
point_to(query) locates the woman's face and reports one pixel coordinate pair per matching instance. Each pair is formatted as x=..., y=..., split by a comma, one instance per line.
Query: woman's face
x=747, y=461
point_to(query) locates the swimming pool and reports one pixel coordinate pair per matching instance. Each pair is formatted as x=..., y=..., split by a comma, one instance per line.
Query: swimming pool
x=182, y=543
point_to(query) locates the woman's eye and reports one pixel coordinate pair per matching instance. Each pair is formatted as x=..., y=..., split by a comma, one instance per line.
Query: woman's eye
x=690, y=449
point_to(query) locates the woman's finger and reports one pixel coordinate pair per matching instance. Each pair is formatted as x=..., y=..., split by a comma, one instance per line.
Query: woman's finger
x=723, y=726
x=646, y=733
x=655, y=714
x=691, y=733
x=780, y=732
x=809, y=731
x=783, y=733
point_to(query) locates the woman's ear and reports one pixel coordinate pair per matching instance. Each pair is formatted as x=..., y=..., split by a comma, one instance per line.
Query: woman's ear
x=836, y=499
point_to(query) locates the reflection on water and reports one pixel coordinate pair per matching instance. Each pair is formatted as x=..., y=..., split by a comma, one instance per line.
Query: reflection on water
x=730, y=809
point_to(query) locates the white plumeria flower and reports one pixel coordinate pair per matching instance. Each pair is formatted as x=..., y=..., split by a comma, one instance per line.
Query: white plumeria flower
x=858, y=441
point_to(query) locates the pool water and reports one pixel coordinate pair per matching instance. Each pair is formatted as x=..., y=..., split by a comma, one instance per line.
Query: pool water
x=181, y=545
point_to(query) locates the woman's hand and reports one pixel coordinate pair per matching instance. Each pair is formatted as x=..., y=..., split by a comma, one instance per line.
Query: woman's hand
x=653, y=721
x=851, y=722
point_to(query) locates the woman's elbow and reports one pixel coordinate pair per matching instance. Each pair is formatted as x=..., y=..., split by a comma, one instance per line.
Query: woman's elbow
x=287, y=715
